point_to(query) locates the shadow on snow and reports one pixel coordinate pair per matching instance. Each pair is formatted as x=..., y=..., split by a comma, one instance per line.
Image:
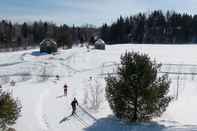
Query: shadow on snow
x=112, y=124
x=65, y=119
x=38, y=53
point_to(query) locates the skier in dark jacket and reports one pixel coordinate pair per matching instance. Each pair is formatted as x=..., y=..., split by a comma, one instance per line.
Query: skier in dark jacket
x=65, y=89
x=74, y=103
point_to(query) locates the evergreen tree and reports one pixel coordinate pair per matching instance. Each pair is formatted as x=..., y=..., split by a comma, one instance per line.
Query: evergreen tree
x=45, y=29
x=64, y=37
x=194, y=26
x=24, y=30
x=186, y=27
x=137, y=93
x=9, y=110
x=104, y=33
x=139, y=28
x=155, y=28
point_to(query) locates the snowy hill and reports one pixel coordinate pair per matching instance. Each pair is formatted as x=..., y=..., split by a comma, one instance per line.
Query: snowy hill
x=45, y=108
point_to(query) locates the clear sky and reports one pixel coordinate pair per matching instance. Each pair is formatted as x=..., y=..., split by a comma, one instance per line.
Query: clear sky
x=80, y=12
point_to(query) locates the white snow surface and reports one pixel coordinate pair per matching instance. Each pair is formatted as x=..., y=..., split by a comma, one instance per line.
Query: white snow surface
x=46, y=109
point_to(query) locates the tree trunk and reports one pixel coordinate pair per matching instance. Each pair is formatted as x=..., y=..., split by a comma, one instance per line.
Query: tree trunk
x=135, y=105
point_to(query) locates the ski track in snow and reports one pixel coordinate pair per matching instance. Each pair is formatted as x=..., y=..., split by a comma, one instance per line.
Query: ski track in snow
x=39, y=110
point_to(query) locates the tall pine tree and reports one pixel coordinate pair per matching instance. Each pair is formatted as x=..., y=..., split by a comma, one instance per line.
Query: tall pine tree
x=137, y=93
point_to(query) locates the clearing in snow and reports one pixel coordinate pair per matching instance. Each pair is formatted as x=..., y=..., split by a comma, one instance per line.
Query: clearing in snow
x=45, y=108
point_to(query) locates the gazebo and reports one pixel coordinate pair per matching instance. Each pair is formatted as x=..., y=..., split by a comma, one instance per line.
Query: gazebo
x=99, y=44
x=48, y=46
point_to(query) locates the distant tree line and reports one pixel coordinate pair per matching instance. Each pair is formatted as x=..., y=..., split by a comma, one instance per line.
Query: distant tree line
x=155, y=27
x=15, y=36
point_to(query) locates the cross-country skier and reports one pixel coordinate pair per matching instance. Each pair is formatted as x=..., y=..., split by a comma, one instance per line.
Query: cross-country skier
x=65, y=89
x=74, y=103
x=57, y=77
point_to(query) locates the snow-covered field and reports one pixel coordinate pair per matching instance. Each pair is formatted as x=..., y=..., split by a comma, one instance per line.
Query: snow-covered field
x=45, y=108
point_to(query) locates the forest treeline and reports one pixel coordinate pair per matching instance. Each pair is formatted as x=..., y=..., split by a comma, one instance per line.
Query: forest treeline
x=154, y=27
x=21, y=36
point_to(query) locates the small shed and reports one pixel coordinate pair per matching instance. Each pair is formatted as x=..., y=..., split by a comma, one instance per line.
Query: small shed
x=48, y=46
x=99, y=44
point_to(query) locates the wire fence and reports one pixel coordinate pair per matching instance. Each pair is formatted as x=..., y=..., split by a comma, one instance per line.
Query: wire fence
x=183, y=71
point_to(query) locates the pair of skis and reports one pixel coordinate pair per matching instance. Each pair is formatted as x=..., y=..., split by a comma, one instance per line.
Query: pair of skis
x=77, y=117
x=91, y=116
x=82, y=122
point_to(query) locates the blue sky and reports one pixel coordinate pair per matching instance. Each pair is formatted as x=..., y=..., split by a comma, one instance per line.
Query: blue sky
x=81, y=12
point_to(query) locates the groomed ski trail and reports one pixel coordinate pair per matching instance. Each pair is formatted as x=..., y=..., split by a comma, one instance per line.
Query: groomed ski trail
x=39, y=110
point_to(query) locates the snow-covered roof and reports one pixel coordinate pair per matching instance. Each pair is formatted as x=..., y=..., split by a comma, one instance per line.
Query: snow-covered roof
x=48, y=41
x=99, y=41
